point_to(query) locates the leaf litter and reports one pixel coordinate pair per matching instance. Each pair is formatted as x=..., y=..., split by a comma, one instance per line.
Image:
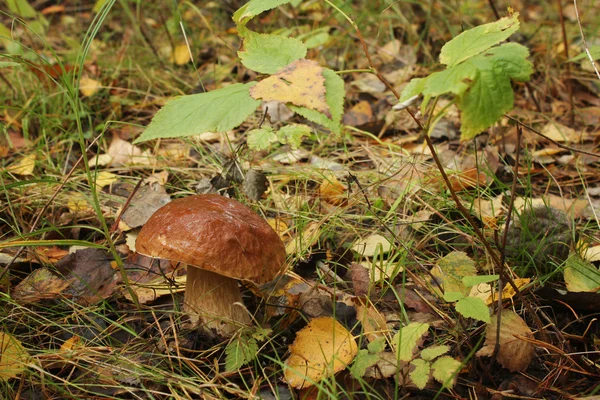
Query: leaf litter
x=398, y=326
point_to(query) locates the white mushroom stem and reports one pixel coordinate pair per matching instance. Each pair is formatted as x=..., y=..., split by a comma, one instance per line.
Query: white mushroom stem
x=214, y=301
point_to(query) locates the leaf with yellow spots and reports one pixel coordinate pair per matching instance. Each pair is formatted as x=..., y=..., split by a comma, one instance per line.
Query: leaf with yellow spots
x=321, y=349
x=300, y=83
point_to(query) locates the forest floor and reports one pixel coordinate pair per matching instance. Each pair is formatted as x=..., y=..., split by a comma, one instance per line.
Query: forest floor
x=394, y=243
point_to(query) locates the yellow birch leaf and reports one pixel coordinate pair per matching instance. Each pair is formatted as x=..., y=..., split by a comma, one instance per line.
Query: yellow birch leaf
x=300, y=83
x=13, y=357
x=180, y=55
x=24, y=166
x=322, y=348
x=88, y=86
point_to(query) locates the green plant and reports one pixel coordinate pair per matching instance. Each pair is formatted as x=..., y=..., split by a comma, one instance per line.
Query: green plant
x=478, y=73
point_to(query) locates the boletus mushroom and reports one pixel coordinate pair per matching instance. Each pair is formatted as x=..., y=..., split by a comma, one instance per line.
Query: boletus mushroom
x=221, y=241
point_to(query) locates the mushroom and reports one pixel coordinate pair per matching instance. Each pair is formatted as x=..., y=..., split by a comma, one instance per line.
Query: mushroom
x=221, y=241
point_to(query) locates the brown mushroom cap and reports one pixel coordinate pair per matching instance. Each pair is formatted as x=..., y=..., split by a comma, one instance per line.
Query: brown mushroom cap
x=216, y=234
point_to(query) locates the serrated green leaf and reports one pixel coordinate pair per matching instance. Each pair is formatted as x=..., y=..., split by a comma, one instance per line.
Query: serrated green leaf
x=433, y=352
x=420, y=374
x=473, y=307
x=239, y=352
x=217, y=111
x=408, y=338
x=293, y=134
x=377, y=345
x=267, y=54
x=445, y=369
x=261, y=139
x=364, y=359
x=413, y=88
x=509, y=59
x=334, y=97
x=476, y=280
x=477, y=40
x=254, y=7
x=451, y=297
x=580, y=275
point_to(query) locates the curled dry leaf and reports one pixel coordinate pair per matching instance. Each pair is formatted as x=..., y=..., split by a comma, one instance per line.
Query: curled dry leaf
x=322, y=348
x=332, y=191
x=515, y=354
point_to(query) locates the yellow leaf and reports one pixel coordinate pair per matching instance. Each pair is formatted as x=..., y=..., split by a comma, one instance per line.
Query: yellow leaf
x=88, y=86
x=76, y=202
x=181, y=55
x=332, y=191
x=105, y=178
x=300, y=83
x=321, y=349
x=150, y=291
x=24, y=166
x=13, y=357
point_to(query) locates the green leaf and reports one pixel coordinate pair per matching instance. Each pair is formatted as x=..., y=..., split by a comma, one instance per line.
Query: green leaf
x=476, y=280
x=261, y=139
x=267, y=54
x=420, y=375
x=218, y=111
x=364, y=359
x=445, y=370
x=473, y=307
x=293, y=134
x=377, y=345
x=408, y=339
x=580, y=275
x=254, y=7
x=477, y=40
x=21, y=8
x=239, y=352
x=334, y=96
x=451, y=297
x=433, y=352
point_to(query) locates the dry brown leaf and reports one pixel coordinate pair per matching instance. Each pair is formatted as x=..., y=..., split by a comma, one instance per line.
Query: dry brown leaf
x=372, y=245
x=41, y=284
x=300, y=83
x=322, y=348
x=515, y=354
x=561, y=133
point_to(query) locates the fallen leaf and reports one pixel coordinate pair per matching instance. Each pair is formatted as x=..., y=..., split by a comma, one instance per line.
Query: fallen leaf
x=13, y=357
x=514, y=354
x=581, y=275
x=24, y=166
x=88, y=86
x=300, y=83
x=372, y=245
x=145, y=202
x=41, y=284
x=332, y=191
x=322, y=348
x=561, y=133
x=160, y=286
x=180, y=55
